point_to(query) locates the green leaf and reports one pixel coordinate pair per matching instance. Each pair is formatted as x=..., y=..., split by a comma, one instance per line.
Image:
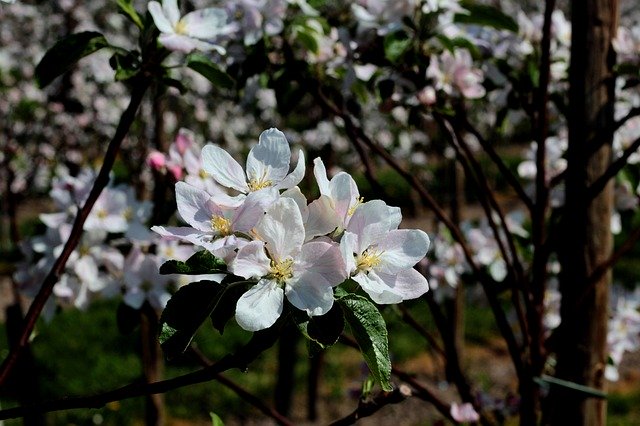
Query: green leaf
x=184, y=313
x=126, y=8
x=216, y=420
x=209, y=70
x=395, y=45
x=65, y=53
x=202, y=262
x=485, y=15
x=370, y=331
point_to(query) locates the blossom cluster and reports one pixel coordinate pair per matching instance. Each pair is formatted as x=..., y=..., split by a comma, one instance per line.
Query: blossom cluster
x=266, y=231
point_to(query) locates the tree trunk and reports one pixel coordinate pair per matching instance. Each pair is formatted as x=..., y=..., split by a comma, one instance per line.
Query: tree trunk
x=586, y=238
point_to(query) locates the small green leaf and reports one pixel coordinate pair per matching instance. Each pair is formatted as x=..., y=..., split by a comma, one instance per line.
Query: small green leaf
x=209, y=70
x=370, y=331
x=216, y=420
x=225, y=308
x=395, y=45
x=65, y=53
x=184, y=314
x=485, y=15
x=126, y=8
x=202, y=262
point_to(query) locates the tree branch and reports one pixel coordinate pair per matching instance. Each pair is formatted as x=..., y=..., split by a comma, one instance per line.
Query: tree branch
x=57, y=269
x=613, y=169
x=369, y=406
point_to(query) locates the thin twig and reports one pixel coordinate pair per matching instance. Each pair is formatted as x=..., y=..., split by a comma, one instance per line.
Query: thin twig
x=409, y=319
x=76, y=232
x=369, y=406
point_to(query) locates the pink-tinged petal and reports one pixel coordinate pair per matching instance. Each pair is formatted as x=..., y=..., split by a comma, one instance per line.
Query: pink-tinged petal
x=171, y=10
x=184, y=140
x=226, y=201
x=156, y=160
x=376, y=288
x=320, y=172
x=187, y=234
x=282, y=229
x=159, y=18
x=401, y=249
x=269, y=160
x=223, y=168
x=194, y=206
x=296, y=195
x=251, y=261
x=322, y=259
x=177, y=42
x=261, y=306
x=310, y=294
x=295, y=177
x=53, y=220
x=408, y=284
x=344, y=193
x=252, y=210
x=348, y=246
x=322, y=218
x=371, y=221
x=464, y=413
x=205, y=23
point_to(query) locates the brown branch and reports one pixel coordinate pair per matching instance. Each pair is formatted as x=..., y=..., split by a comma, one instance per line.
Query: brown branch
x=369, y=406
x=633, y=112
x=613, y=169
x=57, y=269
x=260, y=341
x=239, y=390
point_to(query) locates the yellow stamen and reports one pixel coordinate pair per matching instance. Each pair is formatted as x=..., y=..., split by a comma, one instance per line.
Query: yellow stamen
x=102, y=213
x=281, y=271
x=221, y=225
x=181, y=27
x=353, y=208
x=368, y=259
x=128, y=214
x=256, y=183
x=203, y=174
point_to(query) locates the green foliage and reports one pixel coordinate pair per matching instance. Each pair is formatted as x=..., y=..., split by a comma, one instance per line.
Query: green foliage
x=216, y=420
x=209, y=70
x=126, y=8
x=395, y=46
x=324, y=330
x=486, y=15
x=370, y=331
x=202, y=262
x=65, y=53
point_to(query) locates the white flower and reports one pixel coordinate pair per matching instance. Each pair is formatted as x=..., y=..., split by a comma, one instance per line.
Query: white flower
x=456, y=72
x=142, y=280
x=464, y=413
x=267, y=165
x=213, y=225
x=191, y=31
x=285, y=265
x=380, y=257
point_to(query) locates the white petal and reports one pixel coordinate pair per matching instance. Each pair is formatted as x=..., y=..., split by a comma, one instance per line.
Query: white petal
x=171, y=10
x=191, y=235
x=86, y=269
x=134, y=298
x=320, y=172
x=251, y=261
x=402, y=249
x=377, y=289
x=193, y=205
x=344, y=193
x=295, y=177
x=371, y=222
x=348, y=246
x=205, y=23
x=310, y=295
x=178, y=42
x=261, y=306
x=159, y=18
x=269, y=160
x=253, y=208
x=282, y=229
x=322, y=218
x=408, y=284
x=297, y=196
x=322, y=259
x=223, y=168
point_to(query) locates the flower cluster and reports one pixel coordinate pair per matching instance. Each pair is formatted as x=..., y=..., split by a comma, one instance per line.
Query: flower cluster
x=268, y=233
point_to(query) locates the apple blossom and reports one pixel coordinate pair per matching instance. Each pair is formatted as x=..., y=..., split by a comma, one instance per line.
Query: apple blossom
x=285, y=265
x=190, y=32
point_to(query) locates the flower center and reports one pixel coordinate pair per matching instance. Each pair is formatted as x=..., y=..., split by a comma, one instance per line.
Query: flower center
x=128, y=214
x=281, y=271
x=368, y=259
x=102, y=214
x=203, y=174
x=256, y=183
x=221, y=225
x=181, y=27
